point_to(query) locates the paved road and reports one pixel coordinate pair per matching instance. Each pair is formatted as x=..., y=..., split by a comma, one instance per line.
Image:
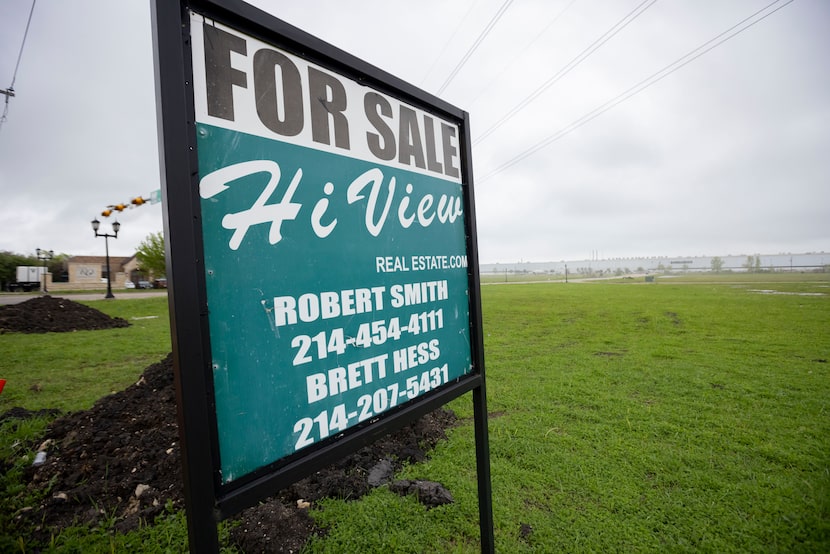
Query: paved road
x=17, y=297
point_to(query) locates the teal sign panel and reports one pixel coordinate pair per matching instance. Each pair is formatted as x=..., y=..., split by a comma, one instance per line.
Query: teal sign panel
x=334, y=249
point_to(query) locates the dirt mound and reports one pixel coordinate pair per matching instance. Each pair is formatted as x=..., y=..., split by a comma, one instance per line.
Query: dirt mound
x=23, y=414
x=47, y=314
x=122, y=458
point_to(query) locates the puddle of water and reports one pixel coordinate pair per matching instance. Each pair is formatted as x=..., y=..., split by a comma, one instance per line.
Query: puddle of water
x=768, y=291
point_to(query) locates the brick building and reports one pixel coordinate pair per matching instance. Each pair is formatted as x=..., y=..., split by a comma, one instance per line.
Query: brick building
x=90, y=272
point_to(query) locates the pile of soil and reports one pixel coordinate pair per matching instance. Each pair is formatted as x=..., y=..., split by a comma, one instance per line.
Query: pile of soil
x=47, y=314
x=121, y=458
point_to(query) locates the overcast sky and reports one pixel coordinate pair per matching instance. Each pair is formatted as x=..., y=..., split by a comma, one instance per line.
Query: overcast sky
x=730, y=154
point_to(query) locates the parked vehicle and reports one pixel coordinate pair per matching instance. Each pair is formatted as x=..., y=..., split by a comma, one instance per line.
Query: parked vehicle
x=129, y=285
x=28, y=278
x=145, y=285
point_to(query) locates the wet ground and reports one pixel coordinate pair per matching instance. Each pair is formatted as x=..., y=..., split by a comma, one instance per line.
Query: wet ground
x=121, y=458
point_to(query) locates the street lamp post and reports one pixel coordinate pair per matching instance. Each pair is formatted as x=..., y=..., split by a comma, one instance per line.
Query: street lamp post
x=115, y=228
x=44, y=256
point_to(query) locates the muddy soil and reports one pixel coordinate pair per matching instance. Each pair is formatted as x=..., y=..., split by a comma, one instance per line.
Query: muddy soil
x=47, y=314
x=121, y=458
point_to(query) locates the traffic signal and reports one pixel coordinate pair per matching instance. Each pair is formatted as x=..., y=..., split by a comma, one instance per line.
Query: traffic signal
x=138, y=201
x=106, y=213
x=119, y=207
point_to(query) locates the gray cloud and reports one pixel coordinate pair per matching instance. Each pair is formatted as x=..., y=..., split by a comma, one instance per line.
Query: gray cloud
x=726, y=156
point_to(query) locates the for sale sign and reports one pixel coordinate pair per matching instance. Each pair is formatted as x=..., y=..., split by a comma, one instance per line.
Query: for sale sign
x=321, y=251
x=335, y=248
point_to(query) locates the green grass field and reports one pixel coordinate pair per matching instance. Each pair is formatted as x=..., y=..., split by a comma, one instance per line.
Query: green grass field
x=692, y=414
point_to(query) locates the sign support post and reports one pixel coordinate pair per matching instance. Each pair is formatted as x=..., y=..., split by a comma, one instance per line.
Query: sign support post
x=175, y=136
x=485, y=497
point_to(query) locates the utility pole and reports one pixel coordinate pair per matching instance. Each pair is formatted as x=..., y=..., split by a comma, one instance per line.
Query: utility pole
x=9, y=92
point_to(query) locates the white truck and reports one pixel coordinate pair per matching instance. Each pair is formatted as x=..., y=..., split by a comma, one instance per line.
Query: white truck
x=28, y=278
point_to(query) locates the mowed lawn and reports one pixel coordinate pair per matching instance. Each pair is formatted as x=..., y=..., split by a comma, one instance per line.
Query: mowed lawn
x=630, y=417
x=653, y=417
x=685, y=415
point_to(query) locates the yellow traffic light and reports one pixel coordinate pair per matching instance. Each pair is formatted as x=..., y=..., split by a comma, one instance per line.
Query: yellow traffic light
x=119, y=207
x=138, y=201
x=106, y=213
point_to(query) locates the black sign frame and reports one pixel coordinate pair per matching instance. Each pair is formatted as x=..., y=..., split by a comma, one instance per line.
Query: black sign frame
x=208, y=500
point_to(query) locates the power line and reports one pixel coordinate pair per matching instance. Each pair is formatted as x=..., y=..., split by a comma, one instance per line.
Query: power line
x=641, y=86
x=568, y=67
x=496, y=77
x=447, y=43
x=10, y=91
x=23, y=43
x=475, y=45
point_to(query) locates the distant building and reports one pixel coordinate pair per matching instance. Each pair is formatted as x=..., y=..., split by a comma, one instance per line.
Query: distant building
x=90, y=272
